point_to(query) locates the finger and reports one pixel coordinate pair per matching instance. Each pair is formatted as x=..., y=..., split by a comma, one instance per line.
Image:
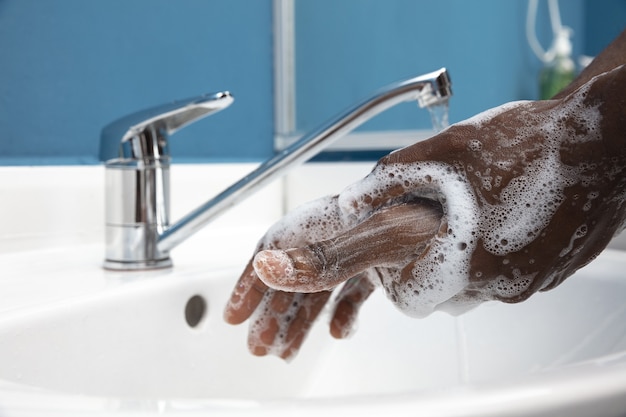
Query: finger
x=270, y=320
x=393, y=235
x=245, y=297
x=305, y=318
x=316, y=220
x=349, y=301
x=283, y=321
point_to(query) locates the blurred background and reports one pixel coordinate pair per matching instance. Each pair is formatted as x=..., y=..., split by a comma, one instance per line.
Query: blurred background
x=69, y=67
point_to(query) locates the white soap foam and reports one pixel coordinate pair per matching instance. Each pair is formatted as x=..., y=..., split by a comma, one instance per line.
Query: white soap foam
x=530, y=200
x=443, y=271
x=485, y=116
x=579, y=233
x=312, y=222
x=508, y=287
x=275, y=268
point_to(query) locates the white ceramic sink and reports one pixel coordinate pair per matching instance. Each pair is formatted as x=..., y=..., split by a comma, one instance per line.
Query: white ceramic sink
x=77, y=339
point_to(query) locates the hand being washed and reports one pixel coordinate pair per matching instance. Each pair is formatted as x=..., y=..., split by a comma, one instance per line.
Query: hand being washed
x=498, y=207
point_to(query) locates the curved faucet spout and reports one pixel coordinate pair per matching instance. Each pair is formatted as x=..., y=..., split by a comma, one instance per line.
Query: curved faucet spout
x=428, y=90
x=138, y=233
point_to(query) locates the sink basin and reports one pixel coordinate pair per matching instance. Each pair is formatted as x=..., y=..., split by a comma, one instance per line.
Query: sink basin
x=130, y=342
x=77, y=339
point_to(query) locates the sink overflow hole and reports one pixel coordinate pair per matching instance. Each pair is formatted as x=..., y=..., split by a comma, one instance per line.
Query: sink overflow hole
x=195, y=310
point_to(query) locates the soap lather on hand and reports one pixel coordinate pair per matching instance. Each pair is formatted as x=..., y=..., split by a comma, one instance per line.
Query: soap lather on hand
x=498, y=207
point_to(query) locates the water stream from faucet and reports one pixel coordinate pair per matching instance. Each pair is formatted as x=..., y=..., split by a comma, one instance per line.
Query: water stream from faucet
x=439, y=115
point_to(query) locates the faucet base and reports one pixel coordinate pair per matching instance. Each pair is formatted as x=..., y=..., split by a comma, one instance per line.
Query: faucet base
x=137, y=266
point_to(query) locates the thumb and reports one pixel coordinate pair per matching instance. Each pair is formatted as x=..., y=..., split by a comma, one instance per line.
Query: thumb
x=390, y=236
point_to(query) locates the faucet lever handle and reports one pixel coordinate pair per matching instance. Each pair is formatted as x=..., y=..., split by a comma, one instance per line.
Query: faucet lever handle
x=150, y=127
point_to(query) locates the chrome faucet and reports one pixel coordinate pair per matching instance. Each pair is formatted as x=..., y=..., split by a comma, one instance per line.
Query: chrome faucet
x=137, y=161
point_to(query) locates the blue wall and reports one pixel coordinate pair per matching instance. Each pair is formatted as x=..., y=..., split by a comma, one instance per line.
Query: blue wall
x=347, y=49
x=69, y=67
x=604, y=20
x=481, y=42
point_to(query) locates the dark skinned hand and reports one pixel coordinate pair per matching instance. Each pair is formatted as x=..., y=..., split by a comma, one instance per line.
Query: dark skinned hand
x=498, y=207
